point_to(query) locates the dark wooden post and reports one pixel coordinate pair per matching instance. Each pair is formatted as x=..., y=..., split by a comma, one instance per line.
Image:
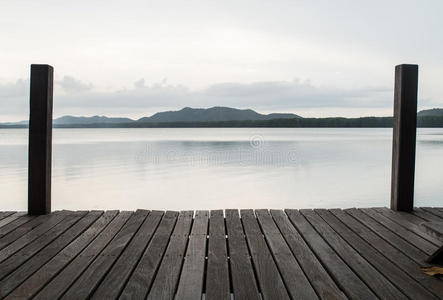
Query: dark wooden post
x=403, y=146
x=40, y=140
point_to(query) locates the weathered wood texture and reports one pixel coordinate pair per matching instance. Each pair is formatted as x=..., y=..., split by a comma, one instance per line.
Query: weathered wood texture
x=40, y=140
x=404, y=136
x=217, y=278
x=293, y=254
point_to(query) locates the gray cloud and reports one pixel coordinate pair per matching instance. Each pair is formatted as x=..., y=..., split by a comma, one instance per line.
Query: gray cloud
x=339, y=45
x=14, y=100
x=76, y=97
x=15, y=89
x=268, y=96
x=72, y=85
x=297, y=94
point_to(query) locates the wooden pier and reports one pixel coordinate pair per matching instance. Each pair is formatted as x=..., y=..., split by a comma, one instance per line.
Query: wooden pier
x=263, y=254
x=367, y=253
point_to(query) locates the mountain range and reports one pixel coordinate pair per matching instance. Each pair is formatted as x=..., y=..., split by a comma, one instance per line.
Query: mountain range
x=187, y=114
x=231, y=117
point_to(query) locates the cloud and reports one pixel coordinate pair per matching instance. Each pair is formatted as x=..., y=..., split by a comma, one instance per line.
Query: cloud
x=298, y=94
x=71, y=85
x=15, y=89
x=14, y=100
x=264, y=94
x=72, y=96
x=139, y=83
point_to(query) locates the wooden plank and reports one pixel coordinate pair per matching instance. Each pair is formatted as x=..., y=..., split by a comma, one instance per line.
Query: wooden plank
x=426, y=215
x=400, y=244
x=318, y=276
x=48, y=270
x=271, y=283
x=243, y=279
x=410, y=267
x=21, y=256
x=404, y=136
x=347, y=280
x=141, y=279
x=402, y=232
x=41, y=257
x=435, y=211
x=432, y=225
x=217, y=277
x=342, y=224
x=4, y=230
x=28, y=232
x=165, y=282
x=12, y=247
x=40, y=140
x=434, y=229
x=374, y=279
x=37, y=281
x=56, y=288
x=190, y=285
x=91, y=277
x=4, y=214
x=123, y=267
x=292, y=274
x=408, y=221
x=11, y=218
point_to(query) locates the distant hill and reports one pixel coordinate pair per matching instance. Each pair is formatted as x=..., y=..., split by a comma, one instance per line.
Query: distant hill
x=187, y=114
x=213, y=114
x=68, y=120
x=435, y=112
x=231, y=117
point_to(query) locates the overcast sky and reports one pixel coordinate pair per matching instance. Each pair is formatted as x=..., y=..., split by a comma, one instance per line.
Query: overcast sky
x=134, y=58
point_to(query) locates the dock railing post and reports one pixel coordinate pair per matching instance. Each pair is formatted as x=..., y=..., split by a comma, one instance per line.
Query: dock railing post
x=404, y=137
x=40, y=140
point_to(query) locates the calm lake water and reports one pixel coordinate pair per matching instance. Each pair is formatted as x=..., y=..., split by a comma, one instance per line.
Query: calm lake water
x=220, y=168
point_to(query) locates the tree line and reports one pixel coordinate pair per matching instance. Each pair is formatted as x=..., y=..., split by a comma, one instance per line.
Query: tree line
x=338, y=122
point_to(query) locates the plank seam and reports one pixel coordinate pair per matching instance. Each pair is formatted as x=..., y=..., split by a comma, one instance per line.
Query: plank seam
x=184, y=255
x=96, y=256
x=358, y=253
x=14, y=228
x=399, y=267
x=399, y=288
x=154, y=275
x=293, y=254
x=35, y=253
x=325, y=267
x=117, y=258
x=250, y=258
x=341, y=258
x=141, y=255
x=205, y=267
x=75, y=256
x=424, y=236
x=80, y=233
x=396, y=233
x=432, y=211
x=228, y=254
x=34, y=228
x=383, y=238
x=274, y=259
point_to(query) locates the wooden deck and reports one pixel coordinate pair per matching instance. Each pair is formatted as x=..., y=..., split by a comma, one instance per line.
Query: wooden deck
x=292, y=254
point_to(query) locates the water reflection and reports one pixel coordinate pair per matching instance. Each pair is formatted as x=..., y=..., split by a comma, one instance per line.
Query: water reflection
x=219, y=168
